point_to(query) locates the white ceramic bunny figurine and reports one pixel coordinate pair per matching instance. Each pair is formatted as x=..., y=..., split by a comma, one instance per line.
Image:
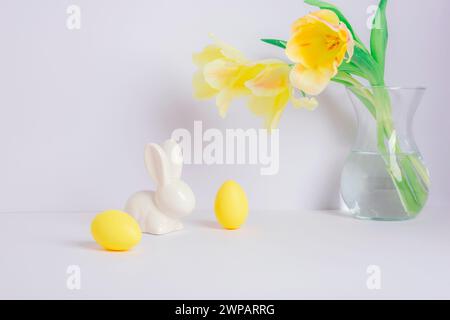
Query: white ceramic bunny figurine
x=159, y=212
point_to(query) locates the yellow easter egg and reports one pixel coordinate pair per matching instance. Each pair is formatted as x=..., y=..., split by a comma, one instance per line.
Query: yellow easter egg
x=231, y=205
x=116, y=230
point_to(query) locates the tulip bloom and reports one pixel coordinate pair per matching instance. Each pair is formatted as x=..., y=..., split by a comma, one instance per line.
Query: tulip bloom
x=318, y=45
x=224, y=73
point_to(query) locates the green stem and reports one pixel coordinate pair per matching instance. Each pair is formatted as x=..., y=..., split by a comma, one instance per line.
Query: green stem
x=408, y=173
x=357, y=89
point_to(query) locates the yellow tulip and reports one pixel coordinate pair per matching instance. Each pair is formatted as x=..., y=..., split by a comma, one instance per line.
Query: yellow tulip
x=318, y=46
x=271, y=91
x=223, y=71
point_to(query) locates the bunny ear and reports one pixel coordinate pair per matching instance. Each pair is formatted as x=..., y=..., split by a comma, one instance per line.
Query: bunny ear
x=157, y=164
x=175, y=158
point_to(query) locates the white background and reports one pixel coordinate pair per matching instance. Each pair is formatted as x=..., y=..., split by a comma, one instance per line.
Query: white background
x=76, y=107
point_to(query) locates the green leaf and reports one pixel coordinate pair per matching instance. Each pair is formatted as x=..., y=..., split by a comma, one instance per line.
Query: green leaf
x=379, y=36
x=276, y=42
x=329, y=6
x=367, y=66
x=357, y=88
x=351, y=68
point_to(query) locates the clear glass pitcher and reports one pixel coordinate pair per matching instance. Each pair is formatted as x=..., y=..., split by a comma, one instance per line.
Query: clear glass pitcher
x=384, y=177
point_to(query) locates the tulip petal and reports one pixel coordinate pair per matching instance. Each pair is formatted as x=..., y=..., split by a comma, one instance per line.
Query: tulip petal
x=311, y=81
x=208, y=54
x=220, y=73
x=271, y=81
x=350, y=42
x=325, y=16
x=223, y=101
x=294, y=48
x=304, y=102
x=270, y=108
x=246, y=73
x=228, y=51
x=202, y=90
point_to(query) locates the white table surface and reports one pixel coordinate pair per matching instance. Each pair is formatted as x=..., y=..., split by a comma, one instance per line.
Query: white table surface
x=276, y=255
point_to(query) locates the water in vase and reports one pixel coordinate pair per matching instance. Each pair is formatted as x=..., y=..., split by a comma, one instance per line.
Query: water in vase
x=368, y=190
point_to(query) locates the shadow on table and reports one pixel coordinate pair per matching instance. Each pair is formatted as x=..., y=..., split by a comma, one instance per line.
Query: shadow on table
x=209, y=224
x=337, y=213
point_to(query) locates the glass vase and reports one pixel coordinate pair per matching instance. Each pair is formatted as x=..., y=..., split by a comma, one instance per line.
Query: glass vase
x=384, y=177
